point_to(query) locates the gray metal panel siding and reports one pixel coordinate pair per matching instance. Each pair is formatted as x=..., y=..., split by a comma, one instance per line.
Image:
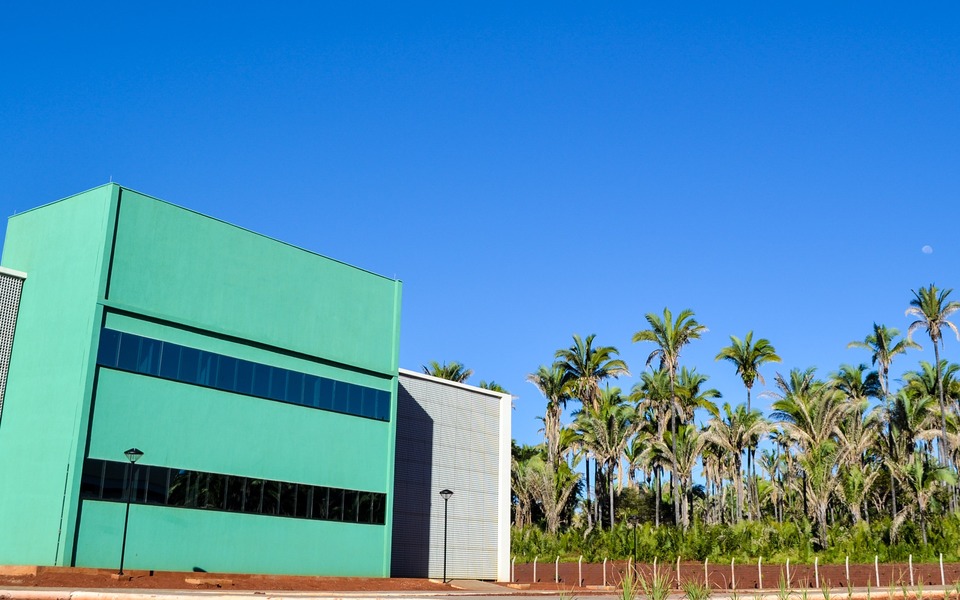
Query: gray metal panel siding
x=447, y=437
x=10, y=288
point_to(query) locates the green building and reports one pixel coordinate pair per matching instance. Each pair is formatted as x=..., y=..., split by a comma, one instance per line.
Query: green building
x=258, y=379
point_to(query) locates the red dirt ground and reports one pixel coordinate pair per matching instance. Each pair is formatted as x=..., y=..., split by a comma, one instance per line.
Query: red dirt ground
x=75, y=578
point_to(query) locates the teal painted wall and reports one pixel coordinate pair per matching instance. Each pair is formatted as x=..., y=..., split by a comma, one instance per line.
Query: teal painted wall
x=61, y=247
x=197, y=270
x=181, y=539
x=200, y=429
x=189, y=279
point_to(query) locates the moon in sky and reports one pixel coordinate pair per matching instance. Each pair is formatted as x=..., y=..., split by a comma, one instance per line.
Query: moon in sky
x=927, y=249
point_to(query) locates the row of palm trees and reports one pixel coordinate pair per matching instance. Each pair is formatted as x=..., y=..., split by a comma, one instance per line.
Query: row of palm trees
x=841, y=448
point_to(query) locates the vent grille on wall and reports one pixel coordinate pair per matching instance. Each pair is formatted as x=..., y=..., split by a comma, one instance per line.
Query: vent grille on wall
x=11, y=285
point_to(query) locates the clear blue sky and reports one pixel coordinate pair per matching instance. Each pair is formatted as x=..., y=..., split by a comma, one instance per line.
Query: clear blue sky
x=530, y=172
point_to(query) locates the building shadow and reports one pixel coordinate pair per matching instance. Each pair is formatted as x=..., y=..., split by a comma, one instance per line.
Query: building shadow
x=412, y=491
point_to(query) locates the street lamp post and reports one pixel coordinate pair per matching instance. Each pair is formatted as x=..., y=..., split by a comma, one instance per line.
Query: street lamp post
x=445, y=494
x=634, y=520
x=133, y=455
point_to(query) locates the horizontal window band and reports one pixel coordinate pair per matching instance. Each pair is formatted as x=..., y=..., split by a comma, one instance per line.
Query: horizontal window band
x=114, y=481
x=166, y=360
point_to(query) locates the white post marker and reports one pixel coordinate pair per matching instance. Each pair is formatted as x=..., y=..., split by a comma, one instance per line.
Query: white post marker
x=629, y=564
x=535, y=568
x=847, y=563
x=816, y=572
x=733, y=575
x=706, y=577
x=556, y=571
x=604, y=572
x=580, y=572
x=654, y=566
x=910, y=566
x=759, y=573
x=788, y=572
x=513, y=569
x=876, y=568
x=678, y=571
x=943, y=580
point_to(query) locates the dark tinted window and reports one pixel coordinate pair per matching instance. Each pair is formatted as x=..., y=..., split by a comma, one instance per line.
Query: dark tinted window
x=244, y=377
x=326, y=394
x=149, y=360
x=271, y=498
x=341, y=396
x=278, y=384
x=109, y=345
x=350, y=498
x=288, y=499
x=212, y=491
x=335, y=505
x=189, y=363
x=378, y=513
x=155, y=480
x=311, y=391
x=114, y=479
x=261, y=380
x=294, y=393
x=227, y=373
x=320, y=500
x=170, y=362
x=207, y=373
x=235, y=494
x=129, y=352
x=91, y=479
x=355, y=400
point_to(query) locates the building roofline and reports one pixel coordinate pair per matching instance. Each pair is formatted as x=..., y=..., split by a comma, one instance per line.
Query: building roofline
x=12, y=273
x=234, y=225
x=441, y=381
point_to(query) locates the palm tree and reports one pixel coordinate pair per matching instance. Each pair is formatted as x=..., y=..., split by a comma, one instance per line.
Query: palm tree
x=818, y=462
x=811, y=411
x=920, y=477
x=653, y=398
x=884, y=348
x=493, y=386
x=686, y=450
x=691, y=396
x=552, y=489
x=670, y=336
x=586, y=368
x=747, y=357
x=932, y=311
x=552, y=382
x=606, y=433
x=453, y=371
x=883, y=345
x=734, y=433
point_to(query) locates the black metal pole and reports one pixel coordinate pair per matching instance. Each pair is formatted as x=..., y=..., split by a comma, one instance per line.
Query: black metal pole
x=126, y=519
x=445, y=502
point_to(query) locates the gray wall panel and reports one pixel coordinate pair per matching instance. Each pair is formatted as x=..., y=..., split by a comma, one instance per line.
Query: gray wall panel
x=447, y=437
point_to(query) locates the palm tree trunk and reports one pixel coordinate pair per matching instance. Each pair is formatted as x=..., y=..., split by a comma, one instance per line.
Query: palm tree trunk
x=656, y=509
x=586, y=471
x=610, y=489
x=673, y=429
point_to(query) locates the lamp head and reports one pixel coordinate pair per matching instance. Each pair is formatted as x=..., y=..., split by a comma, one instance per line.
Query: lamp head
x=445, y=494
x=133, y=454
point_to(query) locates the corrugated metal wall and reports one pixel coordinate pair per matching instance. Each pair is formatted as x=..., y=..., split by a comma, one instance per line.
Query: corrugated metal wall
x=447, y=437
x=10, y=288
